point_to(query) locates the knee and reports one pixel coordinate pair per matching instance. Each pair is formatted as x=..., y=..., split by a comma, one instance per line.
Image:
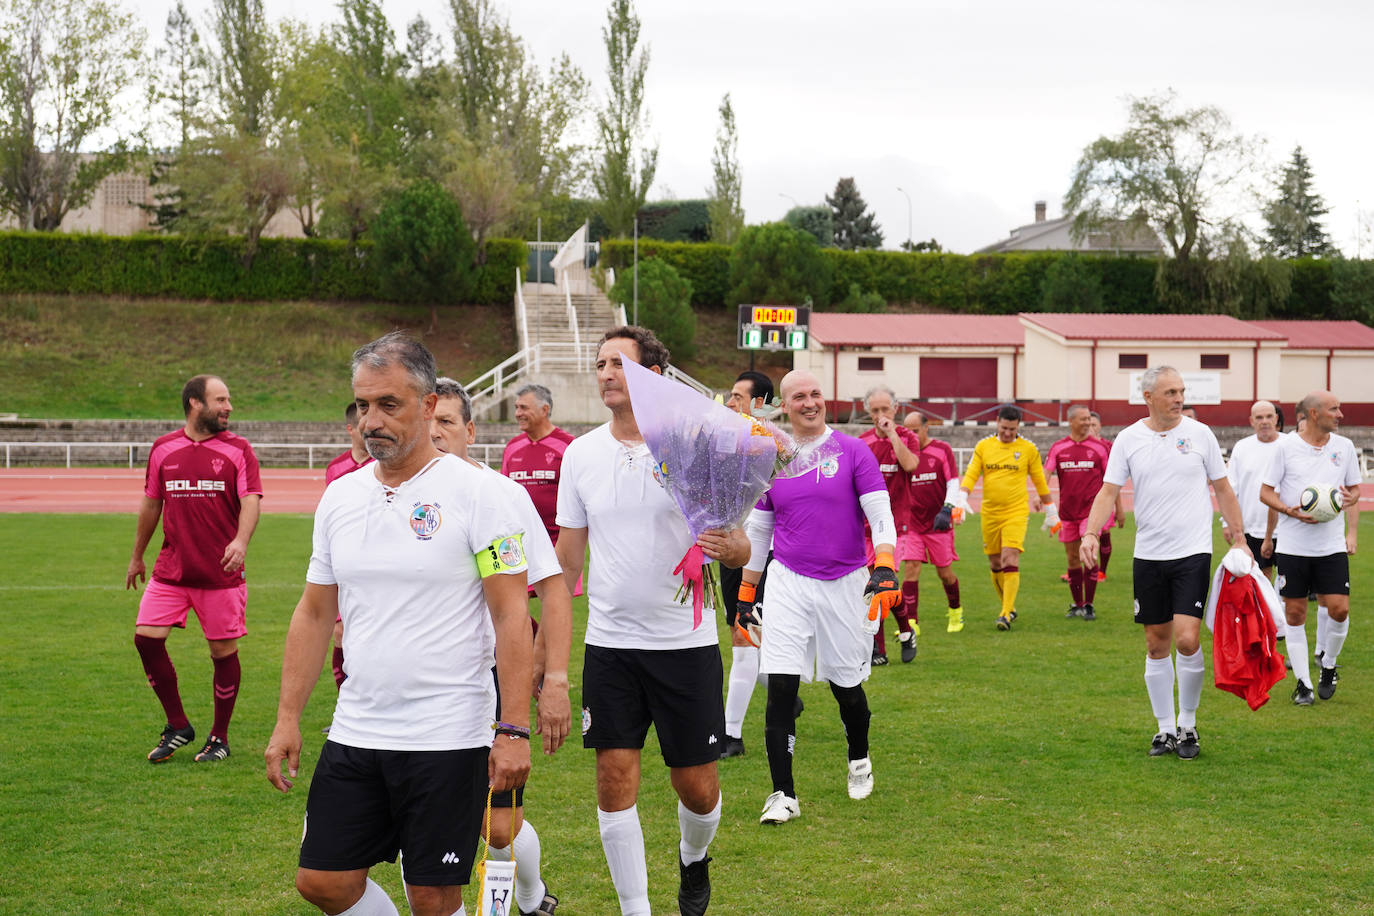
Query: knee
x=332, y=892
x=782, y=697
x=851, y=699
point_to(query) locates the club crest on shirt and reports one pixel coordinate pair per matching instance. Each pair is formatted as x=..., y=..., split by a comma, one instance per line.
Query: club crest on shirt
x=830, y=466
x=1184, y=445
x=1336, y=459
x=217, y=464
x=660, y=470
x=1016, y=455
x=425, y=519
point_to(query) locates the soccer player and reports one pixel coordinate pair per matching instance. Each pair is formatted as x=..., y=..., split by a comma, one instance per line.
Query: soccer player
x=1095, y=430
x=751, y=391
x=1080, y=461
x=1315, y=556
x=930, y=538
x=533, y=458
x=896, y=449
x=425, y=560
x=510, y=836
x=346, y=463
x=645, y=664
x=1250, y=458
x=1171, y=460
x=815, y=522
x=203, y=482
x=1004, y=461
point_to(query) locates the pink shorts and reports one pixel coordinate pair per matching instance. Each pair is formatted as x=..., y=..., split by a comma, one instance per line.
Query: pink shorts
x=220, y=610
x=936, y=547
x=1070, y=531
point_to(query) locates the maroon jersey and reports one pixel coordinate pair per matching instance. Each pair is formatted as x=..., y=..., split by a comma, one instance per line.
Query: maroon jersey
x=536, y=466
x=896, y=479
x=201, y=485
x=344, y=464
x=929, y=484
x=1080, y=466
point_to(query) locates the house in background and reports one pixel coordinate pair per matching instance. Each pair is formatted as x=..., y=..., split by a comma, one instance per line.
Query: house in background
x=1054, y=235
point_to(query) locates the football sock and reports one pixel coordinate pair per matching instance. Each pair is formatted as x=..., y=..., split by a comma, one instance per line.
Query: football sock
x=1159, y=683
x=1336, y=632
x=1105, y=551
x=162, y=677
x=529, y=887
x=1076, y=586
x=952, y=594
x=1011, y=584
x=997, y=582
x=337, y=664
x=227, y=675
x=1297, y=653
x=779, y=730
x=744, y=672
x=373, y=902
x=1323, y=628
x=1089, y=584
x=855, y=715
x=911, y=597
x=1191, y=674
x=697, y=832
x=622, y=838
x=879, y=641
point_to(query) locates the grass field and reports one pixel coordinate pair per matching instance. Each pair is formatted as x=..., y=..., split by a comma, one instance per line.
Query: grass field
x=1011, y=767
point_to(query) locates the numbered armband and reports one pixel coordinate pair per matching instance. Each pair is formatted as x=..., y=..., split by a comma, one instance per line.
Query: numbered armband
x=503, y=555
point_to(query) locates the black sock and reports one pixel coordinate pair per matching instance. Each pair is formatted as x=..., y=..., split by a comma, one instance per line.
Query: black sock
x=780, y=730
x=855, y=716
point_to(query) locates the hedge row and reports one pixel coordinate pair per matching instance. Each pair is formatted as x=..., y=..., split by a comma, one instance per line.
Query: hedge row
x=705, y=264
x=283, y=269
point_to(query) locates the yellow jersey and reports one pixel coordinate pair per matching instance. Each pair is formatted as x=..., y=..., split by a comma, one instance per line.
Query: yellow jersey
x=1004, y=467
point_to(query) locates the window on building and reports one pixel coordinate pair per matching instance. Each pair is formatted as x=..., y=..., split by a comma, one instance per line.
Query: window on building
x=870, y=364
x=1132, y=361
x=1216, y=361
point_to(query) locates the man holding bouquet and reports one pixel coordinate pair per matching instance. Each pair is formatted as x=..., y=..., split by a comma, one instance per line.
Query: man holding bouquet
x=645, y=662
x=823, y=605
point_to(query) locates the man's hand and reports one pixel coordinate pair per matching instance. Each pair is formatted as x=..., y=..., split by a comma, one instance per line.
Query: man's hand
x=1295, y=512
x=944, y=519
x=234, y=552
x=509, y=764
x=882, y=593
x=554, y=712
x=886, y=427
x=731, y=548
x=285, y=744
x=1051, y=523
x=1088, y=547
x=748, y=618
x=1349, y=496
x=1350, y=541
x=1267, y=548
x=138, y=573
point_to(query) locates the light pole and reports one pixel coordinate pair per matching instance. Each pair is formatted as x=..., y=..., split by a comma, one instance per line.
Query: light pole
x=789, y=197
x=908, y=218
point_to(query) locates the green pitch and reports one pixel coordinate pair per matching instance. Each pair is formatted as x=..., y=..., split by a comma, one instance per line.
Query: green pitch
x=1011, y=767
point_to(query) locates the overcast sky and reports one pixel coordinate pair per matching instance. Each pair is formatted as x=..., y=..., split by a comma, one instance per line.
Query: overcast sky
x=977, y=110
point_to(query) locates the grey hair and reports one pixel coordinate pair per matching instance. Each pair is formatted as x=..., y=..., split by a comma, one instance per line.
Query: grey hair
x=541, y=394
x=880, y=389
x=446, y=387
x=1074, y=408
x=1150, y=377
x=399, y=348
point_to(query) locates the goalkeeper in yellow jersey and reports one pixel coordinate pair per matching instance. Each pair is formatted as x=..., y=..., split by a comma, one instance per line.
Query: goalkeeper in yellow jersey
x=1004, y=461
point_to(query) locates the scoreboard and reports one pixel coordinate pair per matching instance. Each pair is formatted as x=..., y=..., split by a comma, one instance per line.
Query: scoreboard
x=774, y=327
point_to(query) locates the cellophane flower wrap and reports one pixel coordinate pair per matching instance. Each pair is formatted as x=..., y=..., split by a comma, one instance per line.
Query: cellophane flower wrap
x=713, y=462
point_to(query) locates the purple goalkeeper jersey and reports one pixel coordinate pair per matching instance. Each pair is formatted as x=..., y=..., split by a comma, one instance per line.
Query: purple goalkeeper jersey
x=818, y=524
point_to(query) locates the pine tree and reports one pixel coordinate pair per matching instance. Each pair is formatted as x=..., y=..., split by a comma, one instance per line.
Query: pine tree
x=726, y=212
x=855, y=226
x=1294, y=217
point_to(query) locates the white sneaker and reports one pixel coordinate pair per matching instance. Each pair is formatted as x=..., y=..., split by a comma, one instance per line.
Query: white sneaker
x=779, y=809
x=860, y=778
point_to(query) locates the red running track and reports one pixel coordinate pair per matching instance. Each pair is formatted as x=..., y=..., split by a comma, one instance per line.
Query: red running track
x=118, y=491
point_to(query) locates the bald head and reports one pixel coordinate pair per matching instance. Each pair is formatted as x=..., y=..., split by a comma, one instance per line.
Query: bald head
x=797, y=378
x=803, y=402
x=1322, y=410
x=1264, y=420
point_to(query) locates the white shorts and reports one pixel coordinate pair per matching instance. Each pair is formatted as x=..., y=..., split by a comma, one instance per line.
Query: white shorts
x=816, y=623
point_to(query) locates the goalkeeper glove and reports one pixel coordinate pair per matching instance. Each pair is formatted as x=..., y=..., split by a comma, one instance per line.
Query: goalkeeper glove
x=882, y=592
x=748, y=615
x=1051, y=523
x=944, y=519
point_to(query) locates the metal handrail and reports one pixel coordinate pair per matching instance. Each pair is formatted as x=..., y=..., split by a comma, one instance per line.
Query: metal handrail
x=329, y=450
x=496, y=378
x=677, y=375
x=521, y=323
x=572, y=325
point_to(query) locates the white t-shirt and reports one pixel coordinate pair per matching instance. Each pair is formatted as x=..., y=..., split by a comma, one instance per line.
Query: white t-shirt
x=637, y=536
x=1249, y=461
x=543, y=562
x=1295, y=465
x=417, y=633
x=1171, y=471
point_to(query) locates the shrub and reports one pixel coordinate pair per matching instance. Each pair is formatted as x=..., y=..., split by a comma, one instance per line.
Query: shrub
x=664, y=304
x=818, y=221
x=856, y=300
x=706, y=265
x=675, y=221
x=423, y=250
x=1071, y=284
x=775, y=263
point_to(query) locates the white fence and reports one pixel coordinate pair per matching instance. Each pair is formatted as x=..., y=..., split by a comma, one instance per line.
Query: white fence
x=134, y=454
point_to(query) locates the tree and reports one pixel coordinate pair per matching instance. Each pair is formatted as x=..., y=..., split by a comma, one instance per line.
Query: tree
x=1293, y=218
x=776, y=263
x=725, y=210
x=855, y=226
x=931, y=246
x=665, y=304
x=423, y=252
x=244, y=66
x=1352, y=289
x=181, y=77
x=817, y=221
x=1170, y=171
x=621, y=179
x=65, y=67
x=1072, y=284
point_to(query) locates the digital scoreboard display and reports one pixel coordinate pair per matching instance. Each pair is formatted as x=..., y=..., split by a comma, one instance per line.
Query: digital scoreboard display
x=774, y=314
x=774, y=327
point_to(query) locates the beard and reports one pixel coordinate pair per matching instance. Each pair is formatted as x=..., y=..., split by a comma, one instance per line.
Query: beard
x=209, y=421
x=384, y=448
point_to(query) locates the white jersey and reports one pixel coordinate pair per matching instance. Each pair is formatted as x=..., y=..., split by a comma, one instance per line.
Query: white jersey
x=1171, y=471
x=637, y=536
x=543, y=562
x=417, y=633
x=1295, y=465
x=1249, y=461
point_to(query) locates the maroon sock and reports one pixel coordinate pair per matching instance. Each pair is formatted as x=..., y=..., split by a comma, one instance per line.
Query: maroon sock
x=1105, y=541
x=227, y=675
x=952, y=593
x=162, y=677
x=339, y=675
x=1089, y=585
x=879, y=641
x=1076, y=585
x=911, y=597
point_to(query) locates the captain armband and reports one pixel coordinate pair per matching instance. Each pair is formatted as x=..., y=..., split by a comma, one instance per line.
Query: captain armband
x=501, y=556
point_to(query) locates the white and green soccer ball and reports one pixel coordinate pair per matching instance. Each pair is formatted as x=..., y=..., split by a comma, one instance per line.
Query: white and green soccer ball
x=1321, y=501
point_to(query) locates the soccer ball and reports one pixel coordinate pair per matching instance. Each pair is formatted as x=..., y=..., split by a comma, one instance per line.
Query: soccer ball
x=1321, y=501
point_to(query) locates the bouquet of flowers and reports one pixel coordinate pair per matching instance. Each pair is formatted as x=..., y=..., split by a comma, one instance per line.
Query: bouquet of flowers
x=714, y=463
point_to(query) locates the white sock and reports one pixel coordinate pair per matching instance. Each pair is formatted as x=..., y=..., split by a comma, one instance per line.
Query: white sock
x=1159, y=684
x=697, y=831
x=1192, y=671
x=744, y=673
x=1336, y=632
x=1297, y=654
x=622, y=838
x=373, y=902
x=529, y=887
x=1323, y=628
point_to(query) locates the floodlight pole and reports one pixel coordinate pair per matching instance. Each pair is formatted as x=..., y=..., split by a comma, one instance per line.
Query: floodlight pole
x=908, y=219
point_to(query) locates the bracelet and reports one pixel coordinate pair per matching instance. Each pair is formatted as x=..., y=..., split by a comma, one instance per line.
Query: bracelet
x=514, y=736
x=515, y=731
x=1089, y=534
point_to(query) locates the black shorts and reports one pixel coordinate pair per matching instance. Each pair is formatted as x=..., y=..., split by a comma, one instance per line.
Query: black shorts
x=730, y=580
x=677, y=690
x=1165, y=589
x=1300, y=577
x=1261, y=560
x=365, y=805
